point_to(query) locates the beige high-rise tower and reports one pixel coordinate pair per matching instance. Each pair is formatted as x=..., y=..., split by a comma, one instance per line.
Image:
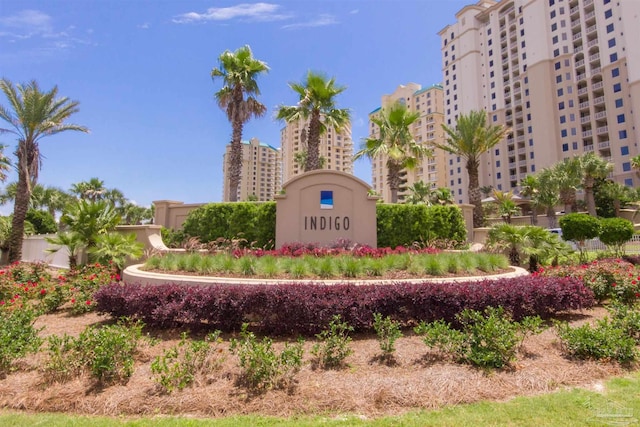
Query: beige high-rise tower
x=563, y=74
x=426, y=130
x=335, y=148
x=260, y=178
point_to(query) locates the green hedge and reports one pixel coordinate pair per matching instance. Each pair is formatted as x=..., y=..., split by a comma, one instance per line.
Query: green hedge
x=402, y=225
x=398, y=224
x=253, y=221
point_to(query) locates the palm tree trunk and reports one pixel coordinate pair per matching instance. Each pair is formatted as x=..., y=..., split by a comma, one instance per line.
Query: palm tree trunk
x=393, y=179
x=235, y=156
x=313, y=142
x=475, y=195
x=20, y=208
x=588, y=197
x=551, y=216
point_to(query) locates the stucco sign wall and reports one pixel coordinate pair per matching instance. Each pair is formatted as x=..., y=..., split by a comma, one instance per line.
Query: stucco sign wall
x=323, y=206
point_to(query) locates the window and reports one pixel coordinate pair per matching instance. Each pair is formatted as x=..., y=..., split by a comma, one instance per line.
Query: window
x=620, y=118
x=533, y=168
x=558, y=79
x=529, y=129
x=613, y=57
x=565, y=147
x=619, y=103
x=563, y=133
x=615, y=72
x=493, y=85
x=553, y=14
x=556, y=52
x=622, y=134
x=497, y=152
x=555, y=39
x=554, y=27
x=557, y=65
x=624, y=150
x=491, y=63
x=531, y=155
x=608, y=13
x=612, y=42
x=459, y=180
x=563, y=119
x=560, y=92
x=628, y=182
x=610, y=28
x=617, y=87
x=499, y=175
x=574, y=145
x=626, y=166
x=497, y=163
x=561, y=106
x=531, y=143
x=490, y=52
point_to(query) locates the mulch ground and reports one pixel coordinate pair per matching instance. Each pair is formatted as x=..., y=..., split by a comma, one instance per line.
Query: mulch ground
x=418, y=380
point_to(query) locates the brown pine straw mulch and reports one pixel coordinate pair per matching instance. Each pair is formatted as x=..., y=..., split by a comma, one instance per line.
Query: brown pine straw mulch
x=365, y=388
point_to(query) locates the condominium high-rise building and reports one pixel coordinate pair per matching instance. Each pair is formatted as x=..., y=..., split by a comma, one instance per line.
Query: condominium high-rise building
x=426, y=130
x=260, y=178
x=564, y=75
x=336, y=149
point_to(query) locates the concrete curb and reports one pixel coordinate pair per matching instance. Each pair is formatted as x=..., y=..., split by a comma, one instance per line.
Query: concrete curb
x=133, y=274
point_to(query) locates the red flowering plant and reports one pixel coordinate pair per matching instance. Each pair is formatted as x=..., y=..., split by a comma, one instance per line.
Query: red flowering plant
x=31, y=285
x=83, y=282
x=609, y=278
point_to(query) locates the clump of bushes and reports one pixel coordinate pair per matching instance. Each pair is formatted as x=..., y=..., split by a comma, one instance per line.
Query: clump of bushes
x=306, y=309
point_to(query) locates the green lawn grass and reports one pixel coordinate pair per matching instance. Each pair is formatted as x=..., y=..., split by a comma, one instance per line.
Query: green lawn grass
x=617, y=404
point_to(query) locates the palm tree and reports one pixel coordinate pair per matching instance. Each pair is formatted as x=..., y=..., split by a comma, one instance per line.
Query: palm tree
x=530, y=188
x=442, y=196
x=396, y=144
x=51, y=199
x=70, y=240
x=472, y=137
x=593, y=167
x=5, y=163
x=567, y=177
x=318, y=105
x=32, y=115
x=635, y=164
x=420, y=194
x=90, y=219
x=548, y=195
x=506, y=206
x=91, y=190
x=237, y=98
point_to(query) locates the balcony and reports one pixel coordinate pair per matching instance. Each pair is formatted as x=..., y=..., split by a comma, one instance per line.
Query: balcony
x=583, y=90
x=590, y=15
x=602, y=129
x=592, y=43
x=520, y=138
x=597, y=85
x=587, y=133
x=577, y=49
x=599, y=100
x=585, y=119
x=596, y=70
x=595, y=57
x=522, y=163
x=519, y=126
x=513, y=177
x=591, y=29
x=575, y=23
x=588, y=148
x=507, y=11
x=577, y=35
x=580, y=63
x=602, y=145
x=522, y=150
x=587, y=3
x=584, y=104
x=581, y=76
x=600, y=115
x=574, y=10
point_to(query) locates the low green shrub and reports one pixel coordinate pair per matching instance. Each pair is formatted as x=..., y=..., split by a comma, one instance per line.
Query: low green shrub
x=263, y=368
x=615, y=232
x=605, y=340
x=388, y=332
x=333, y=347
x=105, y=352
x=18, y=337
x=487, y=339
x=179, y=365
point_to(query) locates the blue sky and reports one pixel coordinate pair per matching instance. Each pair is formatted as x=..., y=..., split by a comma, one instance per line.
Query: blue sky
x=141, y=72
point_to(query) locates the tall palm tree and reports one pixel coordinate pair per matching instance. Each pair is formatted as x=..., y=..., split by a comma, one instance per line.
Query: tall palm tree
x=548, y=195
x=567, y=178
x=635, y=164
x=593, y=167
x=318, y=105
x=396, y=144
x=530, y=188
x=239, y=71
x=91, y=190
x=32, y=115
x=472, y=137
x=5, y=163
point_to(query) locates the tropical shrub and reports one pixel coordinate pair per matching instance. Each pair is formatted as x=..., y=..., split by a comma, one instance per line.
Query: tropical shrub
x=42, y=221
x=604, y=340
x=579, y=227
x=388, y=332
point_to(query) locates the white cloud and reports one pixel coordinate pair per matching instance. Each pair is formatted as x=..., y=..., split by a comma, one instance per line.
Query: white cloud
x=321, y=21
x=245, y=11
x=39, y=28
x=354, y=11
x=144, y=26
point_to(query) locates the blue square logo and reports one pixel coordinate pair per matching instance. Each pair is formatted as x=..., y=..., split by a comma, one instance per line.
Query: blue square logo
x=326, y=199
